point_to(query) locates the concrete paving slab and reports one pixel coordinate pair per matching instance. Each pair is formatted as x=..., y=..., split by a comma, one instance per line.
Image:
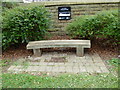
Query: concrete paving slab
x=55, y=69
x=11, y=68
x=89, y=69
x=97, y=69
x=32, y=68
x=82, y=69
x=51, y=64
x=75, y=70
x=34, y=63
x=18, y=68
x=91, y=63
x=62, y=69
x=104, y=70
x=68, y=69
x=42, y=69
x=49, y=69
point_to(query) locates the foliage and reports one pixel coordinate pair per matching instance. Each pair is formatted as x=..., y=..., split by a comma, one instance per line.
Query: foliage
x=9, y=5
x=62, y=81
x=23, y=24
x=114, y=62
x=0, y=41
x=5, y=62
x=102, y=25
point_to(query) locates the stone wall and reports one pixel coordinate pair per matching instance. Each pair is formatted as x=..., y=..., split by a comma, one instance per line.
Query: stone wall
x=58, y=26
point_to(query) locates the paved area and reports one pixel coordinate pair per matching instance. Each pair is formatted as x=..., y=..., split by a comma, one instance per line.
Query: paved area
x=91, y=63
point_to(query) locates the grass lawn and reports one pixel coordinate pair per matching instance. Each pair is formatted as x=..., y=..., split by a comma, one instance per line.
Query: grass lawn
x=0, y=38
x=61, y=81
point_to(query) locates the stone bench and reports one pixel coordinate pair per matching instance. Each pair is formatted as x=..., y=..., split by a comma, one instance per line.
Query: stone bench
x=78, y=44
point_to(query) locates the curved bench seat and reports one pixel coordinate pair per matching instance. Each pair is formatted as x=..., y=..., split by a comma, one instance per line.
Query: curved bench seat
x=78, y=44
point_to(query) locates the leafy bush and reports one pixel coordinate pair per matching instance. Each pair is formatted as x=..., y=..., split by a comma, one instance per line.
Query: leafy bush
x=9, y=5
x=102, y=25
x=24, y=24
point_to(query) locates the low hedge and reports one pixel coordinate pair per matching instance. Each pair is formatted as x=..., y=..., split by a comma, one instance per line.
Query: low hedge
x=23, y=24
x=102, y=25
x=9, y=5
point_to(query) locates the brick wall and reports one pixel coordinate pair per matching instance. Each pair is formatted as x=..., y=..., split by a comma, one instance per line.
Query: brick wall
x=58, y=26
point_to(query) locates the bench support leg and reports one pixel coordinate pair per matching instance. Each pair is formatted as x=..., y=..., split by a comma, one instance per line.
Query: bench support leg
x=80, y=51
x=37, y=52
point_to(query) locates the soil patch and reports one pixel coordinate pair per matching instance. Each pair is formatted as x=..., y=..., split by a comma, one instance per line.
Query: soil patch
x=106, y=53
x=14, y=52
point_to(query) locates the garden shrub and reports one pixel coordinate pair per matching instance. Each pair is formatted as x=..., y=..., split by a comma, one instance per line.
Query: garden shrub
x=9, y=5
x=102, y=25
x=24, y=24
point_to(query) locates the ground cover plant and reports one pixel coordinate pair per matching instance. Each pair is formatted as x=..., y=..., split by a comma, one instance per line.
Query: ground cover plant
x=23, y=24
x=0, y=41
x=104, y=25
x=4, y=63
x=61, y=81
x=115, y=63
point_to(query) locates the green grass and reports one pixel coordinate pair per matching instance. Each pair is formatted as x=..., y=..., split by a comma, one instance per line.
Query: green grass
x=0, y=35
x=21, y=62
x=0, y=39
x=60, y=81
x=5, y=62
x=115, y=62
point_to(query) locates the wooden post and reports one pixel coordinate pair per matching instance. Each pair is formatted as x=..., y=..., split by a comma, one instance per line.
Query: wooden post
x=80, y=51
x=37, y=52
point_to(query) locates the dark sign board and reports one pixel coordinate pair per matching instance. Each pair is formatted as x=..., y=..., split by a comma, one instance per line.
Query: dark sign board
x=64, y=13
